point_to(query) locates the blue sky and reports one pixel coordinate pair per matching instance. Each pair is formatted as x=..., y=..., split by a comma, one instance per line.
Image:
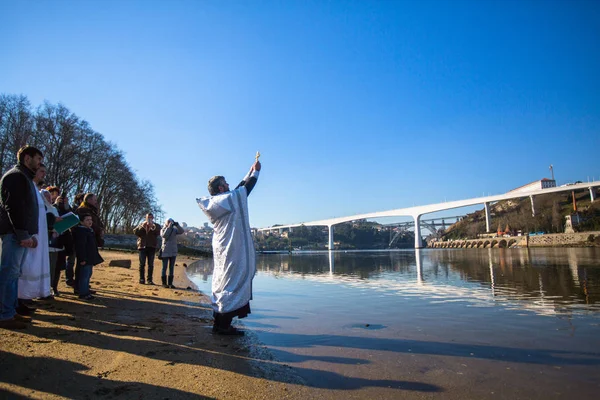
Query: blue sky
x=355, y=106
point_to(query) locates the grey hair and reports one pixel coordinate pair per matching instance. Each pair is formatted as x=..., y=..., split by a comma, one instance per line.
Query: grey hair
x=214, y=183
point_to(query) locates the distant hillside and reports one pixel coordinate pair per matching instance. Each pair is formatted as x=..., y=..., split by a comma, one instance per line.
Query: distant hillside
x=515, y=214
x=349, y=235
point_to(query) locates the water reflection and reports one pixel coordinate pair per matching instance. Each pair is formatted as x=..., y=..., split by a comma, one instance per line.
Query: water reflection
x=419, y=262
x=563, y=276
x=545, y=281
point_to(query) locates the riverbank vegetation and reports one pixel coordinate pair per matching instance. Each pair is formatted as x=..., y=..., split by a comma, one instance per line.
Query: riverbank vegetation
x=363, y=235
x=512, y=216
x=78, y=159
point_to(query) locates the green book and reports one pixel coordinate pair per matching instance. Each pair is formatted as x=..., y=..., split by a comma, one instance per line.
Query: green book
x=69, y=220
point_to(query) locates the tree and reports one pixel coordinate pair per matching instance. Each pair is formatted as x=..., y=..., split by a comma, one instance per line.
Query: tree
x=77, y=158
x=557, y=218
x=16, y=127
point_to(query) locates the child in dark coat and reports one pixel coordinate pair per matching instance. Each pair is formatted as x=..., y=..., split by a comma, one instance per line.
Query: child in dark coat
x=87, y=255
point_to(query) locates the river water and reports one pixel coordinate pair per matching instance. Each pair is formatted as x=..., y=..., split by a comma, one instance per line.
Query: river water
x=434, y=323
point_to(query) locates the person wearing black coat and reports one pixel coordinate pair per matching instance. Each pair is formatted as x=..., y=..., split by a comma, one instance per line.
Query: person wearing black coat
x=66, y=257
x=18, y=225
x=87, y=255
x=18, y=203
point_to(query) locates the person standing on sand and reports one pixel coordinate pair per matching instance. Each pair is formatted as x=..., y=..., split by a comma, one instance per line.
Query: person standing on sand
x=169, y=250
x=18, y=224
x=54, y=245
x=233, y=249
x=66, y=257
x=147, y=233
x=35, y=280
x=90, y=206
x=86, y=251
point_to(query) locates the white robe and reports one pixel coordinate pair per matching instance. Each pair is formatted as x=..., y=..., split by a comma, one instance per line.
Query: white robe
x=233, y=249
x=34, y=281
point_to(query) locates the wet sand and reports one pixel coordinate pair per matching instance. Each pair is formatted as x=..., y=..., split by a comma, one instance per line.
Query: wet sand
x=132, y=342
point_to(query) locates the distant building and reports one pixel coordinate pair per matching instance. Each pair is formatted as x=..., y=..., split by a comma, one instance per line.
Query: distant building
x=537, y=185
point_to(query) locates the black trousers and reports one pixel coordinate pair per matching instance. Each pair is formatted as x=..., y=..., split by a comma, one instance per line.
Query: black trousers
x=61, y=263
x=147, y=254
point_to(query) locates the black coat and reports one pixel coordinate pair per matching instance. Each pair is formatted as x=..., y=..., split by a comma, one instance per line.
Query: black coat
x=97, y=225
x=66, y=238
x=85, y=246
x=19, y=211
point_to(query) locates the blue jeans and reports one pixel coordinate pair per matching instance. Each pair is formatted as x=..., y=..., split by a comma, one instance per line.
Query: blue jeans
x=84, y=274
x=11, y=261
x=171, y=262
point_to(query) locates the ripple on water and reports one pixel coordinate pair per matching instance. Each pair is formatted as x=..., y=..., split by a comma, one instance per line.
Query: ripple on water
x=372, y=327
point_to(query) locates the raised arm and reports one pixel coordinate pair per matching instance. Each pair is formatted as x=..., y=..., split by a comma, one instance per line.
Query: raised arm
x=251, y=177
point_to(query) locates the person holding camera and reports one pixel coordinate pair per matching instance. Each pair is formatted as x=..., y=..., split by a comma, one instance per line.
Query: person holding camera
x=147, y=233
x=169, y=250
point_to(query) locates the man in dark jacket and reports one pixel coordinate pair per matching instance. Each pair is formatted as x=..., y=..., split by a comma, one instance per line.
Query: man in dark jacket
x=147, y=233
x=18, y=224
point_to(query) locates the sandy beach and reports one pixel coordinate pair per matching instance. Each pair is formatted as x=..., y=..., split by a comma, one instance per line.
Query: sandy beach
x=132, y=342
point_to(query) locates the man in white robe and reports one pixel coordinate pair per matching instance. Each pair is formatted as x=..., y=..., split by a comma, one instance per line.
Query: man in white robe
x=233, y=249
x=35, y=281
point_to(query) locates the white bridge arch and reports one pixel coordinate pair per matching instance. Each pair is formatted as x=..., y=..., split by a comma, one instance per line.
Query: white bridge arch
x=417, y=212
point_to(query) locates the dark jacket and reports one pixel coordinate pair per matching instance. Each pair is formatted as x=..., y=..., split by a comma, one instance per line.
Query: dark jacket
x=50, y=221
x=97, y=224
x=66, y=238
x=85, y=246
x=147, y=238
x=19, y=211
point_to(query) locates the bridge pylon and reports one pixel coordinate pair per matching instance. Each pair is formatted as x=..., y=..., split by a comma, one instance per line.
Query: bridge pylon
x=418, y=239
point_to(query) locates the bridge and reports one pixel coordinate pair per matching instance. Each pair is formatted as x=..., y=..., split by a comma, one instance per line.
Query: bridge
x=417, y=212
x=434, y=225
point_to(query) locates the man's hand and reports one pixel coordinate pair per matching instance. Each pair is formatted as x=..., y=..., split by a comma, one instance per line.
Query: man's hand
x=26, y=242
x=256, y=166
x=82, y=263
x=29, y=243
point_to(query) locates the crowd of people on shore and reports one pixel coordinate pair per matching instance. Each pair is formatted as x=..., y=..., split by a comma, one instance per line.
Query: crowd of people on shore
x=42, y=234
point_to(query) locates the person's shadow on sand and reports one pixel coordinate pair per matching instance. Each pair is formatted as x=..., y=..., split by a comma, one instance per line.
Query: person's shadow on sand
x=143, y=334
x=69, y=381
